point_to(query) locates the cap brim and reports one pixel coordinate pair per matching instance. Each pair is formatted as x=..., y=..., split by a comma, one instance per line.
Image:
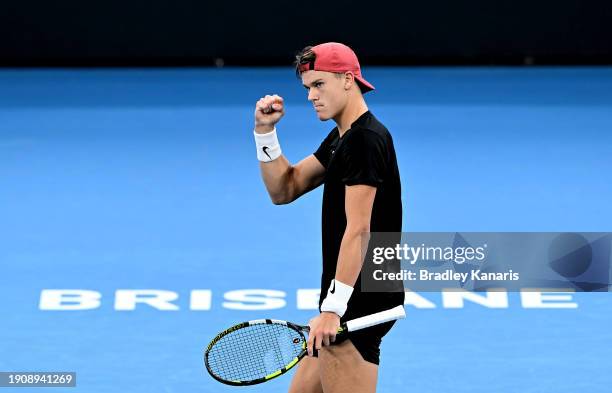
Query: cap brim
x=364, y=84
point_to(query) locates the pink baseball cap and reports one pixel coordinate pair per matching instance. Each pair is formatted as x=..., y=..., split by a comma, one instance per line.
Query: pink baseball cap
x=337, y=57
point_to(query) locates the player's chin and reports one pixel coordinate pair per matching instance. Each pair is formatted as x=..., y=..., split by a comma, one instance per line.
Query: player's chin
x=322, y=115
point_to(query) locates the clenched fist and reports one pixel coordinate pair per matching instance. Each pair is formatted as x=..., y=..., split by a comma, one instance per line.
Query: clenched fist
x=268, y=112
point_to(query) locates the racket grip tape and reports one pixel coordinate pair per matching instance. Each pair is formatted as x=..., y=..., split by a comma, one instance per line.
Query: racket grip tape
x=376, y=319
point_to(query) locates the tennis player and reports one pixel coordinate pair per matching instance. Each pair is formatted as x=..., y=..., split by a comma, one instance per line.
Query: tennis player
x=356, y=163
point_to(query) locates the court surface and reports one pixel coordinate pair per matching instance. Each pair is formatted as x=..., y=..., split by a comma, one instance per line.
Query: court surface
x=131, y=179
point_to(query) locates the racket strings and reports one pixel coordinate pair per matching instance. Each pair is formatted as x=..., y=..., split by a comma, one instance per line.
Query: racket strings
x=254, y=352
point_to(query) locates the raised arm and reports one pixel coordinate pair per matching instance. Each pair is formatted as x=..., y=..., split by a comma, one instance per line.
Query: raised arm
x=284, y=182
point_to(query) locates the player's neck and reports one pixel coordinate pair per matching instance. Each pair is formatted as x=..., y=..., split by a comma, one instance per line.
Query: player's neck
x=347, y=117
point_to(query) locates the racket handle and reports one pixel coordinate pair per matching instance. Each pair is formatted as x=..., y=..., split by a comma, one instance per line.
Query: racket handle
x=376, y=319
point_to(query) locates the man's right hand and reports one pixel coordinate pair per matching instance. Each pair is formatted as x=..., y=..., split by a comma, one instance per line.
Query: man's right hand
x=268, y=112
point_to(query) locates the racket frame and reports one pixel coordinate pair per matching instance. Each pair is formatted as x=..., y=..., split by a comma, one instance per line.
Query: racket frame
x=298, y=328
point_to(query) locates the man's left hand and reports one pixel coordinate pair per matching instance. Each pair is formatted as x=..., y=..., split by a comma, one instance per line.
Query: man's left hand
x=323, y=330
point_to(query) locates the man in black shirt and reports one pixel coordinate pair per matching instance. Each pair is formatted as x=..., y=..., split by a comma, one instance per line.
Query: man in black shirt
x=362, y=194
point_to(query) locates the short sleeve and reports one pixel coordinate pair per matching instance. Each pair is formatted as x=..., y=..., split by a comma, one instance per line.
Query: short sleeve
x=364, y=159
x=323, y=153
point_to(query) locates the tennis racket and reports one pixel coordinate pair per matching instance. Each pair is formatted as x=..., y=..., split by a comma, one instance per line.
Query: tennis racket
x=257, y=351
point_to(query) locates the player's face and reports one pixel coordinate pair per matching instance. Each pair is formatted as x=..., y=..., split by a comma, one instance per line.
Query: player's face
x=326, y=92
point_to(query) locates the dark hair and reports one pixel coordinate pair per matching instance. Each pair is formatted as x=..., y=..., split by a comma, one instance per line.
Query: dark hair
x=304, y=56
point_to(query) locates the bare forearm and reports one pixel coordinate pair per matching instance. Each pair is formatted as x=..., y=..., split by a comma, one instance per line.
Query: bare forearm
x=350, y=258
x=276, y=173
x=277, y=176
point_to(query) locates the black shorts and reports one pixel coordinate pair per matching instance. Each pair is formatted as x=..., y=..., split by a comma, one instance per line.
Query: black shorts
x=367, y=341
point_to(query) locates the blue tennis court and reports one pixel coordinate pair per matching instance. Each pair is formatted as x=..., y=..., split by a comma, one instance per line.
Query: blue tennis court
x=140, y=189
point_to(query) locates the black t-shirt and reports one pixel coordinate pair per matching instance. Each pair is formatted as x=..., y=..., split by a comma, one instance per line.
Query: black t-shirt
x=364, y=155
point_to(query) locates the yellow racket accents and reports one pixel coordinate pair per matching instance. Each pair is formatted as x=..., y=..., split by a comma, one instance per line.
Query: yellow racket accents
x=293, y=362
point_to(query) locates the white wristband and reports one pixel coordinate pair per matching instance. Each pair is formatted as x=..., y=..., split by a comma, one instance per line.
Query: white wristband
x=268, y=148
x=337, y=298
